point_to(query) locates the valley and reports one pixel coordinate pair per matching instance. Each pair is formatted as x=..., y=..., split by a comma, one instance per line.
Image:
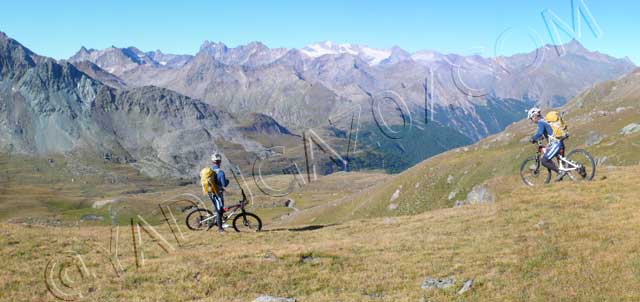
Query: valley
x=379, y=174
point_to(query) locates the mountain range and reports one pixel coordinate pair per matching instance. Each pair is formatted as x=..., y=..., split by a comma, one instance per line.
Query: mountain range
x=53, y=107
x=165, y=112
x=301, y=88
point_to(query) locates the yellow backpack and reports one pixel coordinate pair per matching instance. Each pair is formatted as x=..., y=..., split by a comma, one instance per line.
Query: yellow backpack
x=207, y=181
x=554, y=118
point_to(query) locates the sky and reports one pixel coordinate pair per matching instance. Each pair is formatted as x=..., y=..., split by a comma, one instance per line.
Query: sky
x=59, y=28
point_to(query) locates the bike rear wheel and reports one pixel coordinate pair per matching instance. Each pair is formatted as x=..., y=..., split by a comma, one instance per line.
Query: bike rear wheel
x=200, y=220
x=533, y=173
x=247, y=222
x=586, y=163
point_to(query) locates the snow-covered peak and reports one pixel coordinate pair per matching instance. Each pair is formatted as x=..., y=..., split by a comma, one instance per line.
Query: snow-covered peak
x=371, y=55
x=321, y=49
x=375, y=55
x=425, y=56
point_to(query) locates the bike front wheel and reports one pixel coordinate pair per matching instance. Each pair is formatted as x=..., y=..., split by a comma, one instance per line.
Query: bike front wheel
x=200, y=220
x=533, y=173
x=586, y=165
x=247, y=222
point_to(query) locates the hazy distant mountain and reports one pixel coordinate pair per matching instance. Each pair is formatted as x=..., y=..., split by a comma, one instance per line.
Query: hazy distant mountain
x=100, y=74
x=303, y=87
x=114, y=60
x=168, y=60
x=370, y=55
x=252, y=54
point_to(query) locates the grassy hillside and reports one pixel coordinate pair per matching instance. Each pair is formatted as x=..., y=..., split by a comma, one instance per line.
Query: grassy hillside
x=55, y=185
x=367, y=236
x=600, y=112
x=61, y=190
x=577, y=246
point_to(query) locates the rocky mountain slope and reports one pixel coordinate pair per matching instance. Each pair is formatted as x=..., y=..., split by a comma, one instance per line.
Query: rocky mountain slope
x=57, y=107
x=50, y=107
x=100, y=74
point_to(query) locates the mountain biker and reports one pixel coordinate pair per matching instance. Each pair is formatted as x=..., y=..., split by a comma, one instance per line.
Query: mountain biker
x=555, y=145
x=221, y=182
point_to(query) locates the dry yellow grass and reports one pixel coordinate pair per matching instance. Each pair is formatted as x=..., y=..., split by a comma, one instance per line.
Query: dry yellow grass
x=564, y=242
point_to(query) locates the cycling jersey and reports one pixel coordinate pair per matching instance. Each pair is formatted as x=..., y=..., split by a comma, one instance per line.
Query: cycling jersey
x=544, y=130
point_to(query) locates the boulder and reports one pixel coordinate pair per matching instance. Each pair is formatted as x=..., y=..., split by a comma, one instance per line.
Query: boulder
x=450, y=179
x=91, y=217
x=480, y=194
x=621, y=109
x=101, y=203
x=593, y=138
x=308, y=259
x=453, y=194
x=466, y=287
x=630, y=129
x=289, y=203
x=430, y=283
x=395, y=195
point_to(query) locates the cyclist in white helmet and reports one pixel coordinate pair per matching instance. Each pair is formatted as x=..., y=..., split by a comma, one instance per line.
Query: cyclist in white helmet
x=221, y=182
x=545, y=131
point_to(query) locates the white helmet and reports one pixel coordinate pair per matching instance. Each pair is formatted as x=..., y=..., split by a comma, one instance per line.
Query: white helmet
x=216, y=156
x=533, y=112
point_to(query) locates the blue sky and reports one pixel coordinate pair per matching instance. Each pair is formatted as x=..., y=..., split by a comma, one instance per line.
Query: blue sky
x=59, y=28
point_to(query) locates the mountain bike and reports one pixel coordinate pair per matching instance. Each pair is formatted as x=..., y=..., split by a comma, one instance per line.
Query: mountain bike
x=578, y=164
x=203, y=219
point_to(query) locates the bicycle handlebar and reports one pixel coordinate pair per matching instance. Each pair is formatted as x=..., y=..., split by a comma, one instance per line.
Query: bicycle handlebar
x=560, y=139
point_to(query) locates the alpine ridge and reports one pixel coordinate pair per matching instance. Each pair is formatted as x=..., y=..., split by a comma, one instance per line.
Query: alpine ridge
x=292, y=84
x=50, y=107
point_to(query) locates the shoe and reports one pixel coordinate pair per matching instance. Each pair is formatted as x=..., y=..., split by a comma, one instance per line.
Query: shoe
x=561, y=175
x=583, y=172
x=225, y=226
x=220, y=231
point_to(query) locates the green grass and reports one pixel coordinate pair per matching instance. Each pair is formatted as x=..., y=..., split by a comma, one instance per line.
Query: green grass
x=57, y=188
x=34, y=188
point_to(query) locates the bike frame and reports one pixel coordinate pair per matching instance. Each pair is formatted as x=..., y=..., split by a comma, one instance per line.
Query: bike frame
x=231, y=210
x=564, y=164
x=571, y=166
x=203, y=218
